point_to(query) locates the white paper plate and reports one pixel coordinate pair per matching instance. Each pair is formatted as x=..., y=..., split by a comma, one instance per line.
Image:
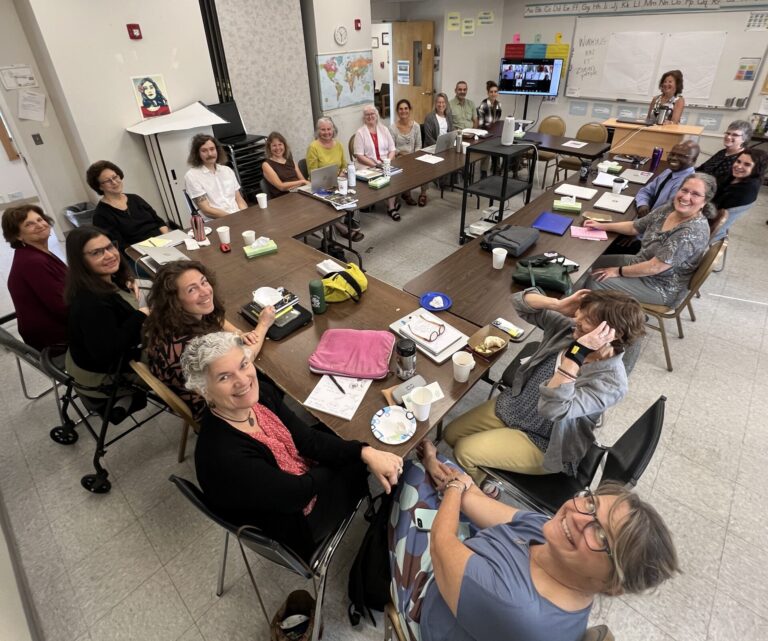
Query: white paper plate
x=393, y=425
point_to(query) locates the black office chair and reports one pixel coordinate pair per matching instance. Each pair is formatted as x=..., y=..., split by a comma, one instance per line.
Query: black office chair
x=117, y=402
x=624, y=462
x=303, y=168
x=266, y=547
x=22, y=352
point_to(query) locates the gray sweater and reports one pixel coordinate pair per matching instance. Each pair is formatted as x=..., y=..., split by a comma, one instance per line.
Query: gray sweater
x=573, y=407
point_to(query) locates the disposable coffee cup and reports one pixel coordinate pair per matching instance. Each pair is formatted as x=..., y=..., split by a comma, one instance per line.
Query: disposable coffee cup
x=421, y=403
x=261, y=199
x=223, y=233
x=342, y=183
x=499, y=256
x=249, y=237
x=463, y=364
x=618, y=185
x=464, y=147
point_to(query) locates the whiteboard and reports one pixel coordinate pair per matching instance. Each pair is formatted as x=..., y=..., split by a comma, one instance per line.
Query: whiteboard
x=610, y=62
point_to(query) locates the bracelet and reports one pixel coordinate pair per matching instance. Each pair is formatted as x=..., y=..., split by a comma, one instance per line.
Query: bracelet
x=577, y=352
x=621, y=271
x=456, y=483
x=561, y=371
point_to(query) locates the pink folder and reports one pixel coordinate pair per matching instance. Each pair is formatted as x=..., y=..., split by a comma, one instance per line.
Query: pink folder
x=588, y=234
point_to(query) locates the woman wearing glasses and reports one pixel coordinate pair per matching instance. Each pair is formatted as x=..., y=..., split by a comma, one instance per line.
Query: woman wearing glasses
x=675, y=237
x=105, y=318
x=543, y=423
x=126, y=218
x=739, y=191
x=735, y=141
x=520, y=573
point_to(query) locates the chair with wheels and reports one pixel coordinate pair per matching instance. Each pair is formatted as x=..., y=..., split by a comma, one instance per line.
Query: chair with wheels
x=253, y=538
x=22, y=352
x=623, y=462
x=554, y=126
x=662, y=312
x=591, y=132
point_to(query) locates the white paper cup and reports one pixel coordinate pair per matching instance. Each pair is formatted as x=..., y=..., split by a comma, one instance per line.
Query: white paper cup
x=223, y=233
x=499, y=256
x=618, y=185
x=464, y=147
x=421, y=402
x=261, y=199
x=342, y=183
x=463, y=364
x=249, y=237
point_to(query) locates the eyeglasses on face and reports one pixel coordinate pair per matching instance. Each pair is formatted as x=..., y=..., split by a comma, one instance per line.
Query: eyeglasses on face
x=112, y=179
x=693, y=194
x=426, y=329
x=733, y=134
x=594, y=534
x=99, y=251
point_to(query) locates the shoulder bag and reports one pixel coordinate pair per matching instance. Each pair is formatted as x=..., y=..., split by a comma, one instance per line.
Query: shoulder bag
x=546, y=272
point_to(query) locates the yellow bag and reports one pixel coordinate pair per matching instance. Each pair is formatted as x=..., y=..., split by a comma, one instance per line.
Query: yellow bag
x=341, y=286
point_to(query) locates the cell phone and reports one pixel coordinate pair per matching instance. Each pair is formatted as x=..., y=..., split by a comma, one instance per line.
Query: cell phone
x=424, y=518
x=407, y=387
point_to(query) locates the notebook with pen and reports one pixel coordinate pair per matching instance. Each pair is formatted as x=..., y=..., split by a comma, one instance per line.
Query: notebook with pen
x=552, y=223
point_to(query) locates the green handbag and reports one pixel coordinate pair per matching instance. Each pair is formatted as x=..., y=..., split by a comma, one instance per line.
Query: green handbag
x=546, y=272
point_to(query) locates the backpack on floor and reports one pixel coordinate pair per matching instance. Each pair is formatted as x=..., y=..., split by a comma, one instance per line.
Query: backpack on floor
x=370, y=576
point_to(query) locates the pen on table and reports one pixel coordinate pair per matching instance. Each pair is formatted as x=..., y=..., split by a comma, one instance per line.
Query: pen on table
x=336, y=383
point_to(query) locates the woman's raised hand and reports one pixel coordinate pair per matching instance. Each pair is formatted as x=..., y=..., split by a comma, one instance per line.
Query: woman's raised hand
x=599, y=337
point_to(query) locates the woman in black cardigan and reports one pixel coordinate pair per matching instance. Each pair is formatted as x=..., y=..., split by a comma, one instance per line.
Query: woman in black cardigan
x=739, y=191
x=258, y=464
x=105, y=318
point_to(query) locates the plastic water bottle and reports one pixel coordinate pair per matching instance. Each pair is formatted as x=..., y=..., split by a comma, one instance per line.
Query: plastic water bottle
x=351, y=175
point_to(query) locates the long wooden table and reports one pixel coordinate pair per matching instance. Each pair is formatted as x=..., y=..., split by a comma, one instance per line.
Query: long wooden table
x=631, y=138
x=480, y=293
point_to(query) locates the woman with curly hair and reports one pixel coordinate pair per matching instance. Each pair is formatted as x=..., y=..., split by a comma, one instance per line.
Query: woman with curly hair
x=184, y=305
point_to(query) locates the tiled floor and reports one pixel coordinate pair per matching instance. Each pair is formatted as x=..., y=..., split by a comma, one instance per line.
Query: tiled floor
x=140, y=564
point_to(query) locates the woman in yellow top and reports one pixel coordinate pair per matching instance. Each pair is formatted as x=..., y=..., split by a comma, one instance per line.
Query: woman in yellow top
x=325, y=150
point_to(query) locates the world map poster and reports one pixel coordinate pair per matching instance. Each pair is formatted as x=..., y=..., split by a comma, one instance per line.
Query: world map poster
x=345, y=79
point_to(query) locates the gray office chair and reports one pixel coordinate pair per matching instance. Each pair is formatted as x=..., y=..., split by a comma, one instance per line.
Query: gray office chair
x=253, y=538
x=22, y=352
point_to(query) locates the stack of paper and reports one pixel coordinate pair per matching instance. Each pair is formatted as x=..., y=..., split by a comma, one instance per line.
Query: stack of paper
x=421, y=326
x=328, y=398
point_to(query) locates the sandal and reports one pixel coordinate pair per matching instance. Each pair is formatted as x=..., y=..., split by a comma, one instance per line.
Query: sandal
x=393, y=214
x=422, y=200
x=408, y=200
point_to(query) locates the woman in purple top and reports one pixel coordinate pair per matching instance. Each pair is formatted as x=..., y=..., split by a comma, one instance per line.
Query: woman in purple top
x=36, y=280
x=521, y=576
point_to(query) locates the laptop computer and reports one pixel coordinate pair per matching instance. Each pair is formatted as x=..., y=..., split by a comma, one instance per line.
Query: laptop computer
x=444, y=143
x=637, y=121
x=585, y=193
x=636, y=176
x=552, y=223
x=322, y=180
x=614, y=202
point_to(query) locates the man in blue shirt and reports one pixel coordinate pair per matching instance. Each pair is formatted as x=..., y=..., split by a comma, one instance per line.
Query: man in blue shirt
x=681, y=160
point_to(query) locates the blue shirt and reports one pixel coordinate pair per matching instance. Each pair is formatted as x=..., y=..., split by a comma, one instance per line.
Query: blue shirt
x=498, y=599
x=660, y=190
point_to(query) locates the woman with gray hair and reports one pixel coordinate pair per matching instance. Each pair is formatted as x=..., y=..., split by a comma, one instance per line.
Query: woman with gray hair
x=735, y=141
x=675, y=237
x=373, y=145
x=259, y=464
x=325, y=150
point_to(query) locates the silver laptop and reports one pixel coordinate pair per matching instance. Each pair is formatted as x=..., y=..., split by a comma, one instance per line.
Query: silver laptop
x=163, y=255
x=323, y=179
x=444, y=143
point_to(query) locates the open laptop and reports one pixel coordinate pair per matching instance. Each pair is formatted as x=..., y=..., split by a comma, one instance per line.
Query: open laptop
x=321, y=180
x=444, y=143
x=646, y=122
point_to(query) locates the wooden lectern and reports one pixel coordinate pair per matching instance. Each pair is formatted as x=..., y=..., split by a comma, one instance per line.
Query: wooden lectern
x=629, y=138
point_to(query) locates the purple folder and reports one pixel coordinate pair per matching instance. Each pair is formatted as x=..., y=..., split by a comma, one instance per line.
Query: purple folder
x=552, y=223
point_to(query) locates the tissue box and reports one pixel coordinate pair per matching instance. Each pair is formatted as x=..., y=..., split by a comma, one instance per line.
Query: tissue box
x=379, y=183
x=263, y=250
x=610, y=167
x=566, y=206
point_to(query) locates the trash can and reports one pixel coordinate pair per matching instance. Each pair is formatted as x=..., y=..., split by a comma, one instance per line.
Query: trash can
x=80, y=214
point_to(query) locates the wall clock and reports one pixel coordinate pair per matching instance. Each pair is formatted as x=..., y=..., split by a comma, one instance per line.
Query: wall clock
x=340, y=35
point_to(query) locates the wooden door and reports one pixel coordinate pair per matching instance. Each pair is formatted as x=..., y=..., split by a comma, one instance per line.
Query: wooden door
x=413, y=43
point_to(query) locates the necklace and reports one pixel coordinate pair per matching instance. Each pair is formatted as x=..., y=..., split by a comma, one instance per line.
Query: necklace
x=249, y=418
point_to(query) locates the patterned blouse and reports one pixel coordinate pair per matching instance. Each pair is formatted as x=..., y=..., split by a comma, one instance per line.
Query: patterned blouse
x=165, y=363
x=488, y=113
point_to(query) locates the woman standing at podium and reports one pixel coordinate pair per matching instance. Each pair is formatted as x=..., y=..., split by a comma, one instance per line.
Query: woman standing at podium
x=670, y=98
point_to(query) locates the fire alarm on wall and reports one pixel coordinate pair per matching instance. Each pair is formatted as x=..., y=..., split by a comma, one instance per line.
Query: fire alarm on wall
x=358, y=24
x=134, y=31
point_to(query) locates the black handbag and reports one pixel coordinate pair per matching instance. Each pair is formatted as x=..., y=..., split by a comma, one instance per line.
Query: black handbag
x=546, y=272
x=516, y=240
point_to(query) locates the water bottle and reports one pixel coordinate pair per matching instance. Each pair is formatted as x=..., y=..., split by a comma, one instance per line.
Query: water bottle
x=317, y=296
x=656, y=157
x=198, y=227
x=351, y=175
x=405, y=351
x=584, y=171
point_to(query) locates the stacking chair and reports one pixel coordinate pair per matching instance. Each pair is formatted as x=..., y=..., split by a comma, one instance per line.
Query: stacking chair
x=661, y=312
x=591, y=132
x=303, y=168
x=715, y=233
x=623, y=462
x=253, y=538
x=554, y=126
x=22, y=352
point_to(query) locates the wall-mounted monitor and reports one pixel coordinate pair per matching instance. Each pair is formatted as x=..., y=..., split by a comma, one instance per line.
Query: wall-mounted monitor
x=530, y=76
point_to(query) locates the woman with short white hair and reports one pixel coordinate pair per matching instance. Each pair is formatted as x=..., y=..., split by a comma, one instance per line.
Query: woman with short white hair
x=374, y=144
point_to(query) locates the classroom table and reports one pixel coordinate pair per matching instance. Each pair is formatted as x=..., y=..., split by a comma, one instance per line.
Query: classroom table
x=480, y=293
x=638, y=139
x=558, y=145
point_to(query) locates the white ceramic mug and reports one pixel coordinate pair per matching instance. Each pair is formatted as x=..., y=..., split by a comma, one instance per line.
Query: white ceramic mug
x=499, y=256
x=618, y=185
x=463, y=364
x=223, y=233
x=421, y=403
x=261, y=199
x=342, y=185
x=249, y=237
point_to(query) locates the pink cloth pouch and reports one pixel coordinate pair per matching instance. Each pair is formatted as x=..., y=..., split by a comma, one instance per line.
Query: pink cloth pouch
x=358, y=353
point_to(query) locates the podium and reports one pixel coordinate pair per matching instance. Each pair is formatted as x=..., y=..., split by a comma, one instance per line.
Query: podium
x=639, y=140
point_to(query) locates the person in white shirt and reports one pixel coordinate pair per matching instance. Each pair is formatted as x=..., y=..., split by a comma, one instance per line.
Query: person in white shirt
x=211, y=185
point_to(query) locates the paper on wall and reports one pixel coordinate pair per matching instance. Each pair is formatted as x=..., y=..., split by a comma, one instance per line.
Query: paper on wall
x=31, y=105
